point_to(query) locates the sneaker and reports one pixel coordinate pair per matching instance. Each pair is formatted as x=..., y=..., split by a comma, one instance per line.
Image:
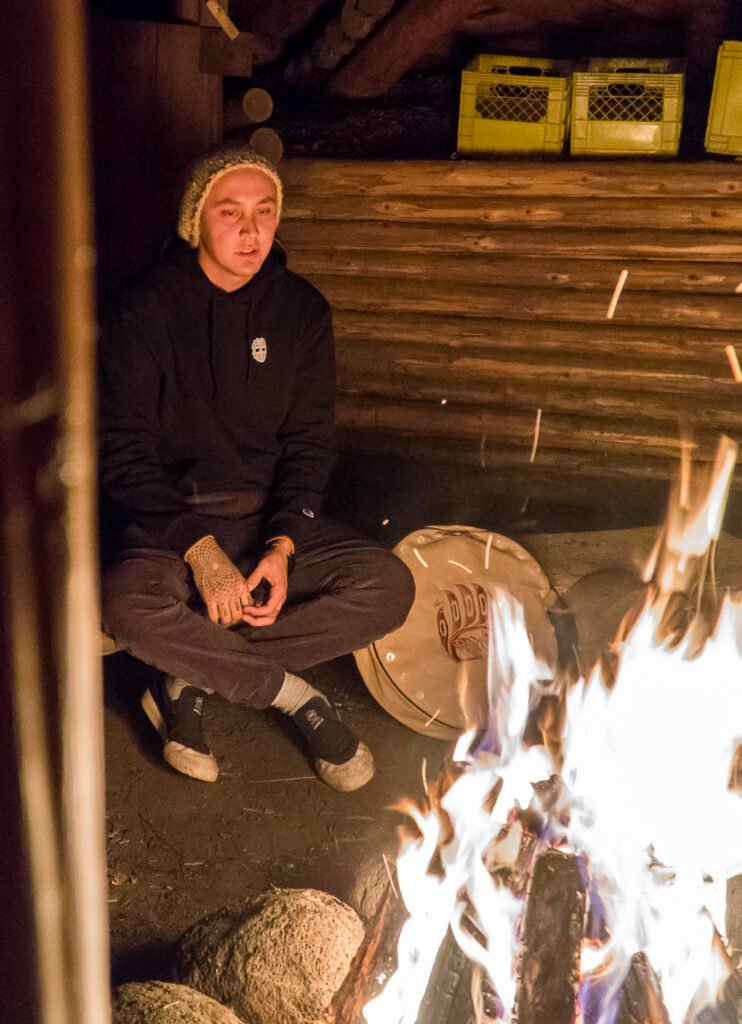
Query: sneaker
x=178, y=721
x=340, y=759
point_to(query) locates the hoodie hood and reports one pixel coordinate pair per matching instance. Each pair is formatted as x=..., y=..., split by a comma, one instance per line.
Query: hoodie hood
x=177, y=253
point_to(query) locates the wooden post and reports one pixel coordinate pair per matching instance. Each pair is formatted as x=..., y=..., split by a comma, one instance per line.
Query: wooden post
x=52, y=839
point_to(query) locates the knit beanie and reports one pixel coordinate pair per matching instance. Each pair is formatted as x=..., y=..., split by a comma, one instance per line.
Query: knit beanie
x=206, y=171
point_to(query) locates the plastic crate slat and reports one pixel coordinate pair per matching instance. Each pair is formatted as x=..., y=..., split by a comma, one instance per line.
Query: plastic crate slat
x=724, y=127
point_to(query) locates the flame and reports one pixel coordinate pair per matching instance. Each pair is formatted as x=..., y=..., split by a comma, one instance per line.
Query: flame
x=645, y=799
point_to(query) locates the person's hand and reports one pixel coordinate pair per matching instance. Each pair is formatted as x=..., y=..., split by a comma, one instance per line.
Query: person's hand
x=273, y=568
x=220, y=583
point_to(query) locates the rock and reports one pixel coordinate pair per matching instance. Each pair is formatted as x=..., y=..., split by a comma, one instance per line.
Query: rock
x=278, y=961
x=370, y=885
x=157, y=1002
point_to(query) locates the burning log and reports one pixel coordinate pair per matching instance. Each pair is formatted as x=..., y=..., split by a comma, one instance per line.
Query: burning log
x=641, y=996
x=552, y=936
x=373, y=963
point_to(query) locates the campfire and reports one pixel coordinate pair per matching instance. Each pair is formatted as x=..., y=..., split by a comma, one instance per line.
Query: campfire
x=594, y=889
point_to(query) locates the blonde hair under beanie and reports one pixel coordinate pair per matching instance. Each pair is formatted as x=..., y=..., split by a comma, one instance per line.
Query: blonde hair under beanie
x=202, y=177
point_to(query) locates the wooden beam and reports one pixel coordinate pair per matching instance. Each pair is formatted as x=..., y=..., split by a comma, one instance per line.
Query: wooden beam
x=604, y=179
x=714, y=215
x=401, y=40
x=559, y=465
x=218, y=9
x=683, y=348
x=553, y=242
x=145, y=137
x=638, y=308
x=220, y=54
x=575, y=433
x=494, y=269
x=526, y=385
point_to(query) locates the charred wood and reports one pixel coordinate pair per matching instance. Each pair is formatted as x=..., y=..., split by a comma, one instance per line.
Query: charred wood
x=376, y=957
x=549, y=970
x=641, y=995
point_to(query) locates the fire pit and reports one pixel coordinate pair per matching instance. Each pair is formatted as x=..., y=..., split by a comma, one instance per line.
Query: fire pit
x=630, y=862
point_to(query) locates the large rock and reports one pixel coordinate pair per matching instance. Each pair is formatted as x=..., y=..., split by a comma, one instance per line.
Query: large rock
x=156, y=1002
x=279, y=961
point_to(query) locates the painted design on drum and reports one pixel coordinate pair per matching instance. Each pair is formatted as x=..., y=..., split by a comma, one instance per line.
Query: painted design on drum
x=462, y=621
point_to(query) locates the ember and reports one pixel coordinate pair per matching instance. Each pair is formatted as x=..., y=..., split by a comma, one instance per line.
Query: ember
x=642, y=814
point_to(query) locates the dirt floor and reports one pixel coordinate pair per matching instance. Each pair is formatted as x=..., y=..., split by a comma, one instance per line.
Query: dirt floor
x=179, y=848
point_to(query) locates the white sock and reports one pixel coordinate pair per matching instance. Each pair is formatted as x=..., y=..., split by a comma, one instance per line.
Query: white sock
x=175, y=686
x=294, y=693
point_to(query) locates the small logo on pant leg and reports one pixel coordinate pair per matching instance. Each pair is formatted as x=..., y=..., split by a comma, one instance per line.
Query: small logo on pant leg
x=259, y=350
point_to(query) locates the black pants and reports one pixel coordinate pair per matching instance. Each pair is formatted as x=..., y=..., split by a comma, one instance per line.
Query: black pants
x=344, y=593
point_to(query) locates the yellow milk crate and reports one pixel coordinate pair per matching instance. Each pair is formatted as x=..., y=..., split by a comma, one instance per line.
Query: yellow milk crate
x=513, y=105
x=627, y=106
x=724, y=128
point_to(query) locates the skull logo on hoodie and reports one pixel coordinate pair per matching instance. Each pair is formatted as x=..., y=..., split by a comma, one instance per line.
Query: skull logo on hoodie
x=259, y=350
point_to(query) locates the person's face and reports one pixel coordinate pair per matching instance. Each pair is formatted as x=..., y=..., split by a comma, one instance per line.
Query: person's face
x=238, y=223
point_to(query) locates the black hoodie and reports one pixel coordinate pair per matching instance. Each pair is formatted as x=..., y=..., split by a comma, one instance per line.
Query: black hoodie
x=203, y=390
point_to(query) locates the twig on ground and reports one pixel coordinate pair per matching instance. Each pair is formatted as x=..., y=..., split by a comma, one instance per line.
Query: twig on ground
x=391, y=880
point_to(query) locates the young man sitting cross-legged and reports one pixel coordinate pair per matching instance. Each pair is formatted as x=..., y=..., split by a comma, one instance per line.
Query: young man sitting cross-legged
x=216, y=414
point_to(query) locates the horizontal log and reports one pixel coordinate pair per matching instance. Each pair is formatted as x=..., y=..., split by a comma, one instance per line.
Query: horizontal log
x=552, y=464
x=536, y=272
x=641, y=243
x=673, y=410
x=221, y=54
x=605, y=179
x=492, y=367
x=570, y=433
x=716, y=215
x=682, y=345
x=647, y=309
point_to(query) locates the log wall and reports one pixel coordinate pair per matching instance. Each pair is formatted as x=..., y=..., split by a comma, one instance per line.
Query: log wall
x=469, y=295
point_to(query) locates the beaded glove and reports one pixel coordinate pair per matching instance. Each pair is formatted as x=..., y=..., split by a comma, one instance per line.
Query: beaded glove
x=220, y=583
